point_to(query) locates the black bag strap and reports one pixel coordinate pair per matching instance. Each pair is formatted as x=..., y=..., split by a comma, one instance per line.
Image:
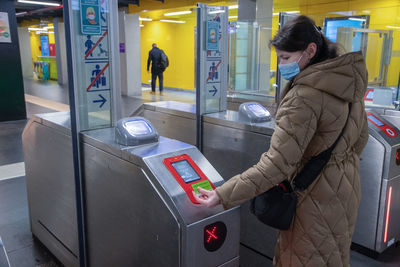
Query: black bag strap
x=332, y=147
x=314, y=166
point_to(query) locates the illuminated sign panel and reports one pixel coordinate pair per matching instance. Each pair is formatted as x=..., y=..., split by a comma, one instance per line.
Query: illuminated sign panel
x=214, y=236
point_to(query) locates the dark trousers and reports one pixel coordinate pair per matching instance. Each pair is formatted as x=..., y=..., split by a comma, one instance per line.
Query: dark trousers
x=160, y=81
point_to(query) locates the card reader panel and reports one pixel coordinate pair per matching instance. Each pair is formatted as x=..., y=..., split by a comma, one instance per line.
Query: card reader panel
x=188, y=175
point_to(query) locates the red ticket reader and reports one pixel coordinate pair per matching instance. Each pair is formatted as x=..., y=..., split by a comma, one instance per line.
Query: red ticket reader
x=188, y=175
x=384, y=127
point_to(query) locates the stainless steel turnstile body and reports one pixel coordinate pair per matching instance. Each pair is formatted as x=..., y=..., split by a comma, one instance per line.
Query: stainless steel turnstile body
x=3, y=255
x=232, y=145
x=378, y=220
x=136, y=212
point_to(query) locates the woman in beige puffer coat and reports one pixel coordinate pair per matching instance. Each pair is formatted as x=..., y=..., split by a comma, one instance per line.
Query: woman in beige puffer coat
x=310, y=117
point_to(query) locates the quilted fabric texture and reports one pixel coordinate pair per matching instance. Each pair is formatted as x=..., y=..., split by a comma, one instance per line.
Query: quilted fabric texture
x=310, y=117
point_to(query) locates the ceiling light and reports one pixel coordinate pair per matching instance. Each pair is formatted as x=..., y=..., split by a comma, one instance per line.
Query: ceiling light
x=216, y=11
x=145, y=19
x=233, y=7
x=275, y=14
x=293, y=12
x=34, y=29
x=20, y=13
x=39, y=3
x=178, y=13
x=141, y=25
x=172, y=21
x=233, y=17
x=51, y=32
x=357, y=19
x=393, y=27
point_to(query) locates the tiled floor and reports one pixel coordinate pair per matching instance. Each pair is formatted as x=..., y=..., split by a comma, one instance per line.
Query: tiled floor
x=25, y=251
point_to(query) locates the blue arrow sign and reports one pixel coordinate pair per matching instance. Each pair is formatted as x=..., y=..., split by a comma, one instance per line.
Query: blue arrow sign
x=102, y=100
x=214, y=91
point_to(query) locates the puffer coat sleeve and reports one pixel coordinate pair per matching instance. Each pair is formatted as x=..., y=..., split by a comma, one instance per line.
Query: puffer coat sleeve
x=296, y=124
x=362, y=141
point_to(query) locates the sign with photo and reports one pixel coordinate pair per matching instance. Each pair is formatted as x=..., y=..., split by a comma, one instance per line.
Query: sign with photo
x=5, y=36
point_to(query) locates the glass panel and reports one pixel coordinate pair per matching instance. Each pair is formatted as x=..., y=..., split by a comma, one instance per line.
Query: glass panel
x=249, y=61
x=371, y=26
x=376, y=42
x=373, y=58
x=92, y=62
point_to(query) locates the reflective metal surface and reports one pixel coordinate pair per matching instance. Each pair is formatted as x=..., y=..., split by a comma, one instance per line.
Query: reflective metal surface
x=137, y=213
x=181, y=119
x=126, y=219
x=232, y=144
x=379, y=172
x=232, y=119
x=3, y=255
x=50, y=184
x=371, y=170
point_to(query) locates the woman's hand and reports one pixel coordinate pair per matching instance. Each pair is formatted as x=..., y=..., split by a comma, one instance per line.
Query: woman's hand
x=208, y=198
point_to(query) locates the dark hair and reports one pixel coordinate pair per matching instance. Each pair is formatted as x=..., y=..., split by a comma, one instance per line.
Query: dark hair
x=298, y=33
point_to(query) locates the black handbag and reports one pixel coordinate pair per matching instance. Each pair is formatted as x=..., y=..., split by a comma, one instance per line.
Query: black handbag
x=277, y=206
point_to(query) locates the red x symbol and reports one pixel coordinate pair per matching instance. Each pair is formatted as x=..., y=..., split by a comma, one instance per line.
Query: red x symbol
x=211, y=234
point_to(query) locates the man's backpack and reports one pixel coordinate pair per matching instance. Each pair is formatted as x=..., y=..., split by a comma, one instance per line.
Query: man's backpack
x=164, y=61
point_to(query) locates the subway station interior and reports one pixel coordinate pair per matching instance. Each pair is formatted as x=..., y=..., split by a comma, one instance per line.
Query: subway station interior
x=97, y=169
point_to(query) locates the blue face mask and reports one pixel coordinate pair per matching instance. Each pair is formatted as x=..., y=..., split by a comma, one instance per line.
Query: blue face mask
x=290, y=70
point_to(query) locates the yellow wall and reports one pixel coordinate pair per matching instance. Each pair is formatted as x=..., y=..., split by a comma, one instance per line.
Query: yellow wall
x=382, y=13
x=175, y=4
x=177, y=41
x=37, y=53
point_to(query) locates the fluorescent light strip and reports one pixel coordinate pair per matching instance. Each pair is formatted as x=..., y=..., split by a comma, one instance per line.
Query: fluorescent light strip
x=288, y=12
x=141, y=25
x=393, y=27
x=172, y=21
x=357, y=19
x=178, y=13
x=20, y=13
x=34, y=29
x=233, y=17
x=145, y=19
x=233, y=7
x=48, y=27
x=216, y=11
x=38, y=3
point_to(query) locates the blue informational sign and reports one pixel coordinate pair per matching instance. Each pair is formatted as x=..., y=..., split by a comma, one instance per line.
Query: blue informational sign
x=212, y=35
x=44, y=42
x=331, y=27
x=90, y=17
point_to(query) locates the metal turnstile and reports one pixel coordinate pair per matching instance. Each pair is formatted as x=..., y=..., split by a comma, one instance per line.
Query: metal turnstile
x=3, y=255
x=140, y=210
x=233, y=143
x=378, y=220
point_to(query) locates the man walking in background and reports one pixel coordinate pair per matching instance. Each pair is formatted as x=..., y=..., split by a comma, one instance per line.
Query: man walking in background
x=157, y=69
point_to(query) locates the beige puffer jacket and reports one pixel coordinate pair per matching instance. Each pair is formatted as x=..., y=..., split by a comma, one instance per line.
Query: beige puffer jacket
x=310, y=117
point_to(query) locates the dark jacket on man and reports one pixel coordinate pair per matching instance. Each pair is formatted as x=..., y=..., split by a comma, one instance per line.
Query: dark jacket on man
x=155, y=58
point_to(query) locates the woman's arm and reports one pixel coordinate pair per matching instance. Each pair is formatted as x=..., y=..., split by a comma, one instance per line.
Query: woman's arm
x=296, y=123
